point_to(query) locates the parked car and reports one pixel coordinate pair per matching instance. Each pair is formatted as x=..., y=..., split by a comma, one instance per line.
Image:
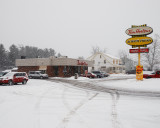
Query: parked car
x=37, y=74
x=98, y=73
x=90, y=75
x=153, y=75
x=131, y=72
x=104, y=74
x=14, y=78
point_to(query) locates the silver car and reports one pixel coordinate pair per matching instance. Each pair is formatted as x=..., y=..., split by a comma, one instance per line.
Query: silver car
x=37, y=74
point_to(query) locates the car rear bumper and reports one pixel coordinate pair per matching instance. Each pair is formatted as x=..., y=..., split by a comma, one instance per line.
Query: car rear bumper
x=3, y=81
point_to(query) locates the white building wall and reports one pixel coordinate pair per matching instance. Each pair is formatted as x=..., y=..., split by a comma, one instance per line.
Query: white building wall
x=99, y=64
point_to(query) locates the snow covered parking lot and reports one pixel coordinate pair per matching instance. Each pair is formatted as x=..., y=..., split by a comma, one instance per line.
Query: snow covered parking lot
x=45, y=104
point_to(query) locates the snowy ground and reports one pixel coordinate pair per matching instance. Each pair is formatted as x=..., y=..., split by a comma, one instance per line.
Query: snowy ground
x=45, y=104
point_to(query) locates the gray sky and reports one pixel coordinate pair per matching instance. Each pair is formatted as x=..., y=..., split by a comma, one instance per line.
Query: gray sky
x=72, y=27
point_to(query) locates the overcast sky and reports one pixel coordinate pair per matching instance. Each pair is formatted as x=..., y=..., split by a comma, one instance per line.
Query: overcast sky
x=72, y=27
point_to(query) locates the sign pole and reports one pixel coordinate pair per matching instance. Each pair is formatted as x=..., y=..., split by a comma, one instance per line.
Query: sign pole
x=139, y=68
x=139, y=57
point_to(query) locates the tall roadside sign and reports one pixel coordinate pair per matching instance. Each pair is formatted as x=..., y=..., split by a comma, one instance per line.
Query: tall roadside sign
x=139, y=39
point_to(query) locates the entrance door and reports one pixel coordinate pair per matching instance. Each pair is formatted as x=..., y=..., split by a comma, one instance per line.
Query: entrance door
x=56, y=71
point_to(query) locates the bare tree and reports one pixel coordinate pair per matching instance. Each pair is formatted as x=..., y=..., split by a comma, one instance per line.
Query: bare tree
x=126, y=60
x=123, y=56
x=59, y=55
x=96, y=49
x=152, y=58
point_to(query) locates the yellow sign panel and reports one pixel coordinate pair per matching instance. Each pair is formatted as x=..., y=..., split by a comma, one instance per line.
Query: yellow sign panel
x=139, y=41
x=139, y=72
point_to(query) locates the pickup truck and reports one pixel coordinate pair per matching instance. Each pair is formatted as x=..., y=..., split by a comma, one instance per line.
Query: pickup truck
x=153, y=75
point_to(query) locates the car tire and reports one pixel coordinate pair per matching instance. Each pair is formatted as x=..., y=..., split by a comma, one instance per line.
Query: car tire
x=148, y=77
x=30, y=77
x=41, y=77
x=10, y=82
x=24, y=82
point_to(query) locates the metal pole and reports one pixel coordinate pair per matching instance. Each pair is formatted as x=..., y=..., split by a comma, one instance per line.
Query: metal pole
x=139, y=57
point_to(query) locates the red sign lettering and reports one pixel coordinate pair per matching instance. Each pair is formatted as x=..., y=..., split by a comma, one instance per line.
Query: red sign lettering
x=146, y=50
x=81, y=63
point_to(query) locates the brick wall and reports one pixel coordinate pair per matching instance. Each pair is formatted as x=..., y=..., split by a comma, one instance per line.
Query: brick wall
x=27, y=68
x=50, y=71
x=71, y=70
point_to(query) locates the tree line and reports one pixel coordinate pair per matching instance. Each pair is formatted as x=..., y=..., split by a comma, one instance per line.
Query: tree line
x=8, y=57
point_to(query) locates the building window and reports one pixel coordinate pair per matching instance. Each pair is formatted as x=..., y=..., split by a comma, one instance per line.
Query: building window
x=100, y=56
x=56, y=73
x=120, y=62
x=79, y=70
x=98, y=63
x=116, y=61
x=65, y=69
x=104, y=61
x=113, y=61
x=43, y=71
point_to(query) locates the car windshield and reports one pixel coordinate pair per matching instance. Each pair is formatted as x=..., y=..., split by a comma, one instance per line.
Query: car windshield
x=2, y=73
x=9, y=74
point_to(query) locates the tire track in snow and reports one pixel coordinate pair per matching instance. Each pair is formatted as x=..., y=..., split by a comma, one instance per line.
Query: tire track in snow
x=37, y=108
x=114, y=96
x=73, y=111
x=96, y=87
x=114, y=114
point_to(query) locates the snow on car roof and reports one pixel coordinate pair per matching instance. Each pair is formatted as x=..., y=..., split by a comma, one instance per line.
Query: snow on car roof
x=8, y=70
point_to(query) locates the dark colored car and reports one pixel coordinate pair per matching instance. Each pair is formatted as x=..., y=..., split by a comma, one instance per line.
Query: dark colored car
x=131, y=72
x=14, y=78
x=98, y=73
x=90, y=75
x=104, y=74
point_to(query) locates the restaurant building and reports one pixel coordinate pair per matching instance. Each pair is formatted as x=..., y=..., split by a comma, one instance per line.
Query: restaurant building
x=53, y=66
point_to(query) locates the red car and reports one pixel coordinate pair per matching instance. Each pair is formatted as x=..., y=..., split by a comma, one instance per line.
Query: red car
x=153, y=75
x=90, y=75
x=14, y=78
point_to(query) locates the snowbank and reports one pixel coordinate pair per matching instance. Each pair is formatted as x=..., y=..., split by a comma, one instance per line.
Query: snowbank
x=133, y=84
